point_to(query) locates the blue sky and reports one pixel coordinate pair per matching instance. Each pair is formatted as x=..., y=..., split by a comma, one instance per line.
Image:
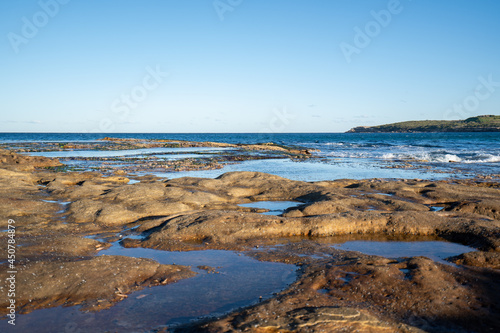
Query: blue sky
x=244, y=65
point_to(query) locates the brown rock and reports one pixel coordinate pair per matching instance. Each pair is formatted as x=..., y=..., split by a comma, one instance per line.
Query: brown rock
x=96, y=282
x=12, y=161
x=351, y=292
x=479, y=259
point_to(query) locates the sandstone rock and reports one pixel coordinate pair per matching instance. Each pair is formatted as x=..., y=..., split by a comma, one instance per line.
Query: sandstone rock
x=336, y=291
x=57, y=246
x=12, y=161
x=479, y=259
x=343, y=292
x=96, y=283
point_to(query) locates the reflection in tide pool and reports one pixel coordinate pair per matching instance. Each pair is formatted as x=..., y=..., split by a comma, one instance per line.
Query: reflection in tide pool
x=121, y=153
x=238, y=281
x=274, y=207
x=313, y=170
x=341, y=155
x=435, y=250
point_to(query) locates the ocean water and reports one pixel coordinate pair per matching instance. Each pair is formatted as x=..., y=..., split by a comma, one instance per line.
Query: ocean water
x=340, y=155
x=356, y=156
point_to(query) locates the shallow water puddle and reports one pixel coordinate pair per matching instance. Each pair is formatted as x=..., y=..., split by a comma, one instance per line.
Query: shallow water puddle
x=386, y=194
x=64, y=206
x=180, y=156
x=435, y=250
x=274, y=207
x=120, y=153
x=237, y=281
x=60, y=202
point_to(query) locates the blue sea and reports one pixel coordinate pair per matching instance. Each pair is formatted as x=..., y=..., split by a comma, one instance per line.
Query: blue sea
x=339, y=155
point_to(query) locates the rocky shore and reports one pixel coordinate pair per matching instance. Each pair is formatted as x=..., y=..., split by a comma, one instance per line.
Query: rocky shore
x=486, y=123
x=58, y=213
x=156, y=156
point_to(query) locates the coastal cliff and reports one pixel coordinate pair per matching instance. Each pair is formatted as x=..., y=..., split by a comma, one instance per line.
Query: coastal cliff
x=489, y=123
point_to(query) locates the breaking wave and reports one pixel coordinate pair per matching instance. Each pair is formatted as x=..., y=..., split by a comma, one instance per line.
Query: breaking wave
x=442, y=157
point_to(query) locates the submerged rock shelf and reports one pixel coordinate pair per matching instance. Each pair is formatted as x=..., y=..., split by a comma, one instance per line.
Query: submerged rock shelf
x=68, y=225
x=224, y=282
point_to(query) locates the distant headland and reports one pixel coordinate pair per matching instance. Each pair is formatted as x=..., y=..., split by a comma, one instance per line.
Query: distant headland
x=488, y=123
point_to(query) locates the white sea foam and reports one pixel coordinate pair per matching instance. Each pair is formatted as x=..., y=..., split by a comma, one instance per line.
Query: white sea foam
x=389, y=156
x=484, y=159
x=442, y=157
x=422, y=153
x=446, y=158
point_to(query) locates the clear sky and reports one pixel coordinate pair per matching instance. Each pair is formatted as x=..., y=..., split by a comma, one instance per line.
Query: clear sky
x=244, y=65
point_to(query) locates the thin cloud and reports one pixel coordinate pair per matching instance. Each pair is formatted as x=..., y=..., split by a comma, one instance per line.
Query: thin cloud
x=23, y=121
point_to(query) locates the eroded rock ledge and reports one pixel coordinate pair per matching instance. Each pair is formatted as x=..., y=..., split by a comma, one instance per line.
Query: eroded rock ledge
x=336, y=291
x=351, y=292
x=96, y=283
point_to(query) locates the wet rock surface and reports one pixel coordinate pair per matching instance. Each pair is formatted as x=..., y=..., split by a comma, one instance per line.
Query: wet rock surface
x=399, y=208
x=12, y=161
x=95, y=283
x=337, y=291
x=479, y=259
x=135, y=155
x=351, y=292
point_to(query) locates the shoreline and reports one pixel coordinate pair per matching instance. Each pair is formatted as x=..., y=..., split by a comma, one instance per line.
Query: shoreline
x=178, y=158
x=57, y=212
x=483, y=124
